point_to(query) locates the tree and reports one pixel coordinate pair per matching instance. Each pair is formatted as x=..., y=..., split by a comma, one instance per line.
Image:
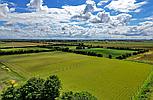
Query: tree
x=77, y=96
x=51, y=88
x=40, y=89
x=32, y=89
x=99, y=55
x=110, y=56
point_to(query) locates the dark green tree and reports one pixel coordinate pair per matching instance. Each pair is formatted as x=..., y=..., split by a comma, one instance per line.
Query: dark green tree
x=32, y=90
x=39, y=89
x=51, y=88
x=110, y=56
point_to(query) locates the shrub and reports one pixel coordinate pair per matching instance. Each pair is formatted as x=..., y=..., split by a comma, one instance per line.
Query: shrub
x=77, y=96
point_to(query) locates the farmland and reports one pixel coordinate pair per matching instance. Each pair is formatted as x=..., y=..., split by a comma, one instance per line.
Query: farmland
x=146, y=57
x=106, y=52
x=139, y=44
x=29, y=48
x=106, y=79
x=18, y=44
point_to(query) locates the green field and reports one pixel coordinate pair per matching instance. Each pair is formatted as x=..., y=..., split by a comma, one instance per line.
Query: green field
x=106, y=79
x=106, y=52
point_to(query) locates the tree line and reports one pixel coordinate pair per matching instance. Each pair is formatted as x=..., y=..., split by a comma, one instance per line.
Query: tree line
x=124, y=56
x=21, y=51
x=66, y=49
x=77, y=51
x=121, y=57
x=40, y=89
x=90, y=53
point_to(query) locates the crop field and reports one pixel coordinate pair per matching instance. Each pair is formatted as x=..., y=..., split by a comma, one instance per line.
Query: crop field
x=18, y=44
x=106, y=52
x=145, y=44
x=107, y=79
x=29, y=48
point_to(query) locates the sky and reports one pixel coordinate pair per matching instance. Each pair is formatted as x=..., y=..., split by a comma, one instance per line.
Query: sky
x=76, y=19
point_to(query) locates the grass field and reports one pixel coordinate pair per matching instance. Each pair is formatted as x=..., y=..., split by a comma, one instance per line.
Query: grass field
x=107, y=79
x=105, y=52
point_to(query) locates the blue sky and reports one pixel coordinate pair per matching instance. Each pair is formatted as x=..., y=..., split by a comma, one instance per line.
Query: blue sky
x=147, y=10
x=129, y=16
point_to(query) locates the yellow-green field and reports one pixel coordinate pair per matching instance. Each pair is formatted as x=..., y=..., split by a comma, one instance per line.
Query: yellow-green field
x=19, y=44
x=130, y=44
x=106, y=79
x=29, y=48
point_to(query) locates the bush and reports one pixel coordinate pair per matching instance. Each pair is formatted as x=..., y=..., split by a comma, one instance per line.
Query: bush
x=77, y=96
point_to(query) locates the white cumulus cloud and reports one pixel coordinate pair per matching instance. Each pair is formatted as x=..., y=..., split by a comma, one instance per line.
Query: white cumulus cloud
x=3, y=10
x=101, y=17
x=82, y=21
x=38, y=5
x=125, y=5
